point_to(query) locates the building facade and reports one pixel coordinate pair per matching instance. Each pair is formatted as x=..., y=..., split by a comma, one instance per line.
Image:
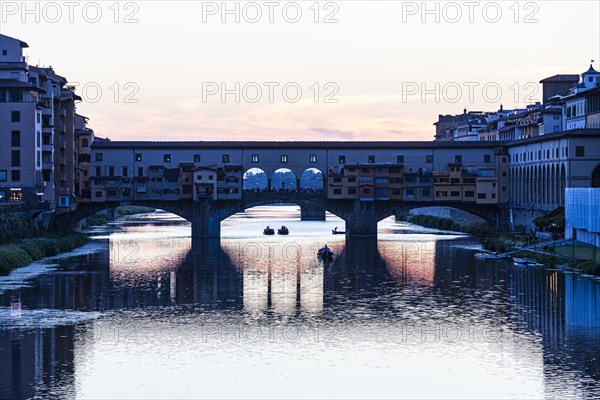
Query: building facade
x=38, y=145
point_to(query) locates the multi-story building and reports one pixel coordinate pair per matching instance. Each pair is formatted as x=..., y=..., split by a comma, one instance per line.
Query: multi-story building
x=37, y=131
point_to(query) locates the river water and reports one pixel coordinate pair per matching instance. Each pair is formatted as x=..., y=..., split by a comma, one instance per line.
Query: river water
x=143, y=311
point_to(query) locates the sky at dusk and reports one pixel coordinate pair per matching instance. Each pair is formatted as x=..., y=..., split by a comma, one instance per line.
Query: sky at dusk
x=344, y=70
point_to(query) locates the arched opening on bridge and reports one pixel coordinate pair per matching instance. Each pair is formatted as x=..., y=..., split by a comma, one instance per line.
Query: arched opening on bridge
x=311, y=181
x=596, y=177
x=255, y=180
x=284, y=180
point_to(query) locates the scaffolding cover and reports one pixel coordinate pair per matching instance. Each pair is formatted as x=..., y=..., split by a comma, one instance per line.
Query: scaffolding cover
x=582, y=208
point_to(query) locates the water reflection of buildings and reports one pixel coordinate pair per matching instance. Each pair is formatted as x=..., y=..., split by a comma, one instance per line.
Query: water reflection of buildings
x=564, y=309
x=34, y=359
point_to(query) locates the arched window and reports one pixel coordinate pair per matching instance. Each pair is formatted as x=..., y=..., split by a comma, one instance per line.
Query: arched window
x=85, y=142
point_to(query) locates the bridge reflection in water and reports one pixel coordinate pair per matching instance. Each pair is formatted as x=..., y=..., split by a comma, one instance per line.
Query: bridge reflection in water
x=368, y=280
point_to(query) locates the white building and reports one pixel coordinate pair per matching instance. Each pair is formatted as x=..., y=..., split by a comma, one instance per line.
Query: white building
x=582, y=216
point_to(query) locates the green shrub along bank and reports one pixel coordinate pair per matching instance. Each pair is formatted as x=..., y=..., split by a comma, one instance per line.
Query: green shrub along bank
x=102, y=219
x=490, y=239
x=16, y=226
x=22, y=252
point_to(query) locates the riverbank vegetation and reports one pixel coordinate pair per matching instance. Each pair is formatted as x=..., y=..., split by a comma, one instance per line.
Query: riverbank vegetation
x=579, y=256
x=21, y=252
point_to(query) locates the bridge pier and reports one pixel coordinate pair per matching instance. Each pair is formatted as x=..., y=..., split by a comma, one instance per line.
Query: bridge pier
x=205, y=222
x=310, y=213
x=362, y=221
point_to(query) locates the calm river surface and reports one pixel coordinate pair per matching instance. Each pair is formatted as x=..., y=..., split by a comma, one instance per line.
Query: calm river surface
x=143, y=311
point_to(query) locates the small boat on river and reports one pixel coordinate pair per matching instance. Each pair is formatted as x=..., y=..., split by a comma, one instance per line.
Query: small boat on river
x=325, y=254
x=490, y=256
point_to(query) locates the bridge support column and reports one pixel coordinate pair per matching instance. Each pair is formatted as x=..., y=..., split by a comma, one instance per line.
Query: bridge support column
x=205, y=222
x=363, y=220
x=503, y=219
x=310, y=213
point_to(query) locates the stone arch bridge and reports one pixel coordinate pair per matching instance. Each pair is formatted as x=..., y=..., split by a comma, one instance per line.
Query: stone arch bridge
x=361, y=217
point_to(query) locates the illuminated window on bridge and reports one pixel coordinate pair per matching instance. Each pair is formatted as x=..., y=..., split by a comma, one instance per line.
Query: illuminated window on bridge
x=166, y=158
x=487, y=158
x=313, y=158
x=429, y=159
x=284, y=158
x=579, y=151
x=400, y=159
x=254, y=158
x=225, y=158
x=98, y=156
x=341, y=159
x=371, y=159
x=138, y=157
x=196, y=157
x=458, y=159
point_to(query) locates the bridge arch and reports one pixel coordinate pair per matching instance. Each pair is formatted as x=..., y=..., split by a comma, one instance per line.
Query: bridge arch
x=312, y=179
x=284, y=179
x=69, y=221
x=255, y=179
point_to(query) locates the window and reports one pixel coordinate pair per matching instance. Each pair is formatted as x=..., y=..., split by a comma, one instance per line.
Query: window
x=85, y=142
x=4, y=52
x=196, y=157
x=342, y=160
x=556, y=128
x=15, y=116
x=429, y=159
x=457, y=159
x=579, y=151
x=481, y=196
x=371, y=159
x=556, y=116
x=400, y=159
x=337, y=191
x=487, y=158
x=254, y=158
x=426, y=192
x=469, y=193
x=15, y=138
x=313, y=158
x=98, y=194
x=125, y=171
x=337, y=180
x=111, y=171
x=167, y=158
x=98, y=171
x=98, y=156
x=454, y=194
x=138, y=157
x=351, y=179
x=410, y=192
x=225, y=158
x=15, y=96
x=284, y=158
x=3, y=176
x=140, y=171
x=15, y=158
x=15, y=175
x=351, y=190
